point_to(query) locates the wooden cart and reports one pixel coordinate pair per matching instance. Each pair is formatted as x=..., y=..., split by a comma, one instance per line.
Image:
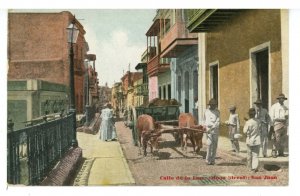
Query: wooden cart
x=166, y=116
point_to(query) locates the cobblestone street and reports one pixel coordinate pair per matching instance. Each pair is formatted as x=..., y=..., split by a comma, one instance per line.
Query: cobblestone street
x=172, y=167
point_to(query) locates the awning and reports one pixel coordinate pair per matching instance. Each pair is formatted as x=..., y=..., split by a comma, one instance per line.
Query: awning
x=154, y=29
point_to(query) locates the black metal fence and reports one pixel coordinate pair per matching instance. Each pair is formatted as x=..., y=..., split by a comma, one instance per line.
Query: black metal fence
x=33, y=152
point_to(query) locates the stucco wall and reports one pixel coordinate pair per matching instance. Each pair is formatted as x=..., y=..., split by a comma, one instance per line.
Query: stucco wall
x=229, y=45
x=186, y=62
x=153, y=87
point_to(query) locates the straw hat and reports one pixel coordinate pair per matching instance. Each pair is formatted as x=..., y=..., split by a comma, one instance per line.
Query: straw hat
x=258, y=101
x=281, y=96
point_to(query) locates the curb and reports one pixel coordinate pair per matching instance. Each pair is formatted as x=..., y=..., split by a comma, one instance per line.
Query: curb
x=65, y=170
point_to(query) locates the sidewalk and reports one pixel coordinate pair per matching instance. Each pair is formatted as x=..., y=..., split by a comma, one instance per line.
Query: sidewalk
x=104, y=163
x=225, y=146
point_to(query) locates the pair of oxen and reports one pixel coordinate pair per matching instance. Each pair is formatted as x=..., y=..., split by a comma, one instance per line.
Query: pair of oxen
x=150, y=131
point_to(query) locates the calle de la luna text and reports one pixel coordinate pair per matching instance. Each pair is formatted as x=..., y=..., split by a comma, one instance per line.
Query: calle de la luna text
x=258, y=177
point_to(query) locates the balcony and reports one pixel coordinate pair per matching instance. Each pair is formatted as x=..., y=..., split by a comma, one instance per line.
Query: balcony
x=157, y=65
x=141, y=90
x=176, y=40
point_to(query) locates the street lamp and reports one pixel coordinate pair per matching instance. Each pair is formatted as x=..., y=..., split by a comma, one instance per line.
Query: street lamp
x=87, y=103
x=86, y=64
x=72, y=38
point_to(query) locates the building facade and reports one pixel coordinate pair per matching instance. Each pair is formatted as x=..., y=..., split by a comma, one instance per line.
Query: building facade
x=92, y=82
x=117, y=96
x=243, y=55
x=105, y=95
x=30, y=99
x=128, y=80
x=38, y=49
x=141, y=86
x=181, y=82
x=156, y=65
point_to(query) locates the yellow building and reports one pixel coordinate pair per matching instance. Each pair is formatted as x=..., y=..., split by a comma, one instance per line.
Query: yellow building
x=243, y=55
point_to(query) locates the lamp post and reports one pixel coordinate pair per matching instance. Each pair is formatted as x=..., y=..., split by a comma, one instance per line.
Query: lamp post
x=87, y=103
x=72, y=38
x=86, y=63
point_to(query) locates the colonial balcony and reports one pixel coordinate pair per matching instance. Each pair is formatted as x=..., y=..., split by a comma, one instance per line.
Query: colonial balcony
x=176, y=40
x=141, y=90
x=157, y=65
x=204, y=20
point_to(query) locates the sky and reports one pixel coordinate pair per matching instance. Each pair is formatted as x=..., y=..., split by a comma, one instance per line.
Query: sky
x=116, y=36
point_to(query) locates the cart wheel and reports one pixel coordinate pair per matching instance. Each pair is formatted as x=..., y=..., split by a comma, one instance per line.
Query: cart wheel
x=133, y=118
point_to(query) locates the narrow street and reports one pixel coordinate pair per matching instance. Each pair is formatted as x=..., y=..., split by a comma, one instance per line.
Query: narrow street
x=119, y=163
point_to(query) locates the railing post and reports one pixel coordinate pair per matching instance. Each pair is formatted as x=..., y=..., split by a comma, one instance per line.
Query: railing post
x=74, y=141
x=10, y=173
x=10, y=125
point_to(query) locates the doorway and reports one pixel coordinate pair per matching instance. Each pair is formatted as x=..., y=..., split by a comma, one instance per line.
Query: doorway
x=214, y=81
x=260, y=76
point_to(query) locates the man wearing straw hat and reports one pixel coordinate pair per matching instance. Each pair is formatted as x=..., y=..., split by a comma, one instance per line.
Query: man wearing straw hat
x=212, y=123
x=265, y=120
x=279, y=117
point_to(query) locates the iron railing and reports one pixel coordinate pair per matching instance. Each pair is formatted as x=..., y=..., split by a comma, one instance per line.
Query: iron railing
x=32, y=152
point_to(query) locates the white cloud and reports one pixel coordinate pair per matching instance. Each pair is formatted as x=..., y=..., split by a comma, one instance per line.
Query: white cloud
x=114, y=54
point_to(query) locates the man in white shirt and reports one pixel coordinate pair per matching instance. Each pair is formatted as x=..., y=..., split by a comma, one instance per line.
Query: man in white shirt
x=252, y=130
x=279, y=117
x=212, y=123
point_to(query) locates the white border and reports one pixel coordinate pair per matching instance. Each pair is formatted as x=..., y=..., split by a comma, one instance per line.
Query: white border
x=294, y=48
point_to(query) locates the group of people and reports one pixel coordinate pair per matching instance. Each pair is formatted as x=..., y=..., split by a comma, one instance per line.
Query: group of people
x=260, y=125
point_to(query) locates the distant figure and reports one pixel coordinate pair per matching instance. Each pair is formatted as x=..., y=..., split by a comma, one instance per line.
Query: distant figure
x=195, y=109
x=233, y=124
x=252, y=131
x=107, y=128
x=279, y=116
x=212, y=124
x=196, y=102
x=265, y=120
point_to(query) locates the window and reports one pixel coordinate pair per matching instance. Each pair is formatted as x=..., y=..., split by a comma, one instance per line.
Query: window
x=164, y=92
x=195, y=86
x=179, y=88
x=169, y=91
x=159, y=92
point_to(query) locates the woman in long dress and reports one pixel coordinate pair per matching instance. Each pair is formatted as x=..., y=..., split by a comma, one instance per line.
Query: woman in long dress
x=107, y=128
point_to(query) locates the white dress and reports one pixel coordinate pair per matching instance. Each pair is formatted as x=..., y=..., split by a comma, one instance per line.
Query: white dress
x=107, y=128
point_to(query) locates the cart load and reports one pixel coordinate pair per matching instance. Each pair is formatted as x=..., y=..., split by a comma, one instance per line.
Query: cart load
x=160, y=110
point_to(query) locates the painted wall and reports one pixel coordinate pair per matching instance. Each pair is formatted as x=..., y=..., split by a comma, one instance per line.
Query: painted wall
x=183, y=69
x=164, y=80
x=26, y=100
x=230, y=44
x=153, y=87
